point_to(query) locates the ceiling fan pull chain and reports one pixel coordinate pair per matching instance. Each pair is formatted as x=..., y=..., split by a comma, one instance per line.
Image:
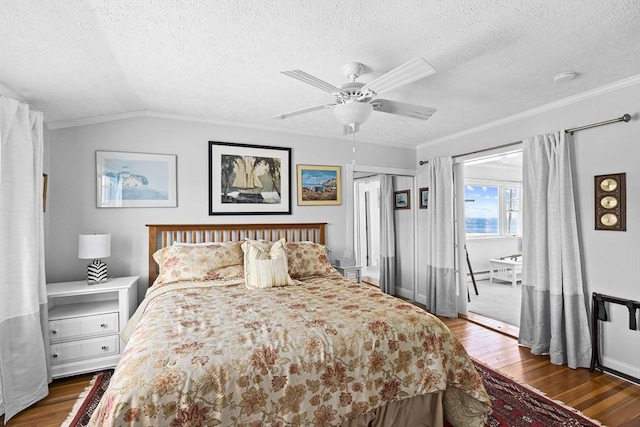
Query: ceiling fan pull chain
x=353, y=148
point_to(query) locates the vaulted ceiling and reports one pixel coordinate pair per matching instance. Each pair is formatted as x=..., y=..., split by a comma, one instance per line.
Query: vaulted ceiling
x=80, y=61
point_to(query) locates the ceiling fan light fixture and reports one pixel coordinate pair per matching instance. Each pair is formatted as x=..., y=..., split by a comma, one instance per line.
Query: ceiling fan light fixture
x=351, y=113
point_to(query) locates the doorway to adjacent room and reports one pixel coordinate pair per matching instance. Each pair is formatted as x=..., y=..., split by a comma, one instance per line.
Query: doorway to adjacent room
x=493, y=229
x=367, y=227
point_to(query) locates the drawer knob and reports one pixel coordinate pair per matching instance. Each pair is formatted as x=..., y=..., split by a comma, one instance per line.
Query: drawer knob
x=105, y=348
x=54, y=331
x=54, y=355
x=103, y=325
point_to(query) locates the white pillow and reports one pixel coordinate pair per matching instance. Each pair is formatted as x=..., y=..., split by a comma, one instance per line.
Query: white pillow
x=265, y=269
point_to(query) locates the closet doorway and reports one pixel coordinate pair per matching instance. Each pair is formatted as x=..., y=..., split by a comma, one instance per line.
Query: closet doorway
x=493, y=228
x=367, y=227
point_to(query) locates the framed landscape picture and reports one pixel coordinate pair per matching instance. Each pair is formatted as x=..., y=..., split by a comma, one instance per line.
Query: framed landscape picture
x=318, y=185
x=424, y=198
x=402, y=199
x=249, y=179
x=135, y=180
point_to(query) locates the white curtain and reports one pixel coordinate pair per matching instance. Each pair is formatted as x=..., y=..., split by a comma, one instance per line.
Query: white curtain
x=553, y=318
x=24, y=372
x=441, y=278
x=387, y=280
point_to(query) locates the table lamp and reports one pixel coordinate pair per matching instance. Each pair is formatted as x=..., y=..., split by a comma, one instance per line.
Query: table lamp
x=95, y=246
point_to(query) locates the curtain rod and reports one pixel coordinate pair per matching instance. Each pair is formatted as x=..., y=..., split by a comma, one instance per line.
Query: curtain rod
x=624, y=118
x=424, y=162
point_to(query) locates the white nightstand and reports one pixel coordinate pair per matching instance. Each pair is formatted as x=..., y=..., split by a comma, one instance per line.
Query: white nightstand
x=352, y=273
x=85, y=323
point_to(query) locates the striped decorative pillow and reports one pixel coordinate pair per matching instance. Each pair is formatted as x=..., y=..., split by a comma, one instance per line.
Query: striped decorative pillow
x=265, y=268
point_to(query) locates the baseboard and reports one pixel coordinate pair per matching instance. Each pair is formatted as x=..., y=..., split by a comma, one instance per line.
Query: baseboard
x=619, y=366
x=478, y=275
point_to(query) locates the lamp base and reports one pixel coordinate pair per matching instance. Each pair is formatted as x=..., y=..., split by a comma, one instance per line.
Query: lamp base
x=97, y=272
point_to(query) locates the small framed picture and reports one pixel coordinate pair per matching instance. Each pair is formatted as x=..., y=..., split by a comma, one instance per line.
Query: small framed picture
x=318, y=185
x=424, y=198
x=402, y=199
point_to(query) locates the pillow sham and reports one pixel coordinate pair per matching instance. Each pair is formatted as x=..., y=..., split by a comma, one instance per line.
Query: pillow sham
x=200, y=262
x=265, y=268
x=307, y=259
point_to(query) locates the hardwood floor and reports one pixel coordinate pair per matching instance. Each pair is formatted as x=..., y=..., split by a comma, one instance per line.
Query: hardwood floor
x=612, y=401
x=53, y=409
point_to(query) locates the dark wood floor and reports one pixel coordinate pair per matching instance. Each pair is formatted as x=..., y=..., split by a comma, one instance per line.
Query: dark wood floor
x=612, y=401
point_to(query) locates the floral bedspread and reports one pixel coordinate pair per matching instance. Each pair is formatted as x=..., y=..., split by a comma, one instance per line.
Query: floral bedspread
x=314, y=354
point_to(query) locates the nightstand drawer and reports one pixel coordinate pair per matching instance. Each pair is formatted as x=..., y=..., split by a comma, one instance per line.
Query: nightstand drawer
x=78, y=327
x=84, y=349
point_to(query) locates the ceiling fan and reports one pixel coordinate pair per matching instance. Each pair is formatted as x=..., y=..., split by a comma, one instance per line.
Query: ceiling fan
x=354, y=101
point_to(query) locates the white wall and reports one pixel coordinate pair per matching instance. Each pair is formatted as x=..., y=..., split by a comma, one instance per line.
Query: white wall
x=482, y=249
x=72, y=193
x=609, y=259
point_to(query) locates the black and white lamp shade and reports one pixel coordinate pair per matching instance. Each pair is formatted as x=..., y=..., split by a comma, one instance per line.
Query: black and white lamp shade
x=97, y=272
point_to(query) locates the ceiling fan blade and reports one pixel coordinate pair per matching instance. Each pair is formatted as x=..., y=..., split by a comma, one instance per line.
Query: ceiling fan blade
x=313, y=81
x=403, y=109
x=407, y=73
x=302, y=111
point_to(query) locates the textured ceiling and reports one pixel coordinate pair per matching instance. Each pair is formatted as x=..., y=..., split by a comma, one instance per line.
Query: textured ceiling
x=220, y=61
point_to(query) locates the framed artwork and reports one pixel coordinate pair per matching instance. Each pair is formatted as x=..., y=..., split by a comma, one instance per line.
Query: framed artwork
x=135, y=180
x=318, y=185
x=402, y=199
x=424, y=198
x=249, y=179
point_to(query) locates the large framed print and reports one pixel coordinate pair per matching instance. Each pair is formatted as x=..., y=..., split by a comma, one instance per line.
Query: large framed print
x=135, y=180
x=318, y=185
x=249, y=179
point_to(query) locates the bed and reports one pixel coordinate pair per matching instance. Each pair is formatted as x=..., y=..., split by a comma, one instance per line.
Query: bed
x=224, y=337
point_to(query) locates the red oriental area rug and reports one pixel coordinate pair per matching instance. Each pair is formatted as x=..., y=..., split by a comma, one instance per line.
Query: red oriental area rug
x=88, y=400
x=514, y=404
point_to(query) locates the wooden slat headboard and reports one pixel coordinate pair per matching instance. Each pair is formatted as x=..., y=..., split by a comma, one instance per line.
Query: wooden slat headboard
x=163, y=235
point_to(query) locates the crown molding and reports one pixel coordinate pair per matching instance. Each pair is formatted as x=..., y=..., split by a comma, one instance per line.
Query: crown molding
x=196, y=119
x=630, y=81
x=95, y=120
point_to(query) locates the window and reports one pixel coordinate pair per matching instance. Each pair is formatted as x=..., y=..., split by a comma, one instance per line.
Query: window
x=482, y=210
x=492, y=209
x=512, y=211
